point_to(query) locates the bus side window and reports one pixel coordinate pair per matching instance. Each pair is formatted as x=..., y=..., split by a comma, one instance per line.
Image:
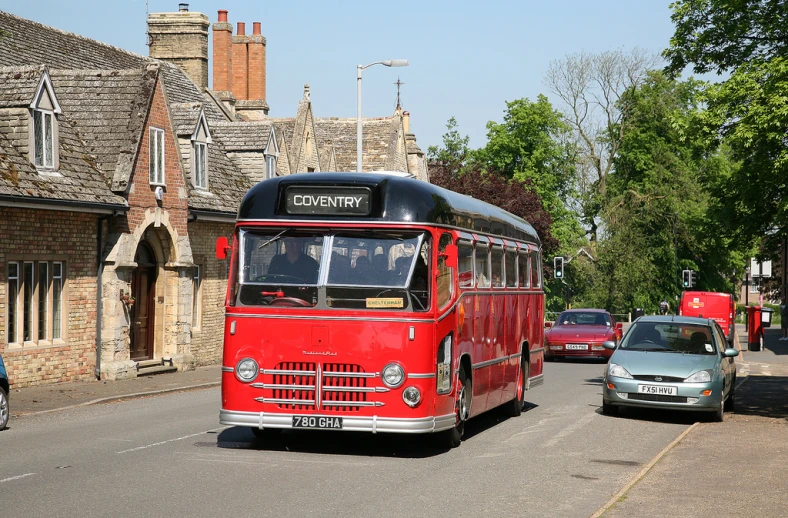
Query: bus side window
x=482, y=265
x=536, y=269
x=522, y=269
x=445, y=274
x=510, y=264
x=465, y=264
x=497, y=267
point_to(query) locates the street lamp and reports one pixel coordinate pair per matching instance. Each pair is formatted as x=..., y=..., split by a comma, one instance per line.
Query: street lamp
x=359, y=68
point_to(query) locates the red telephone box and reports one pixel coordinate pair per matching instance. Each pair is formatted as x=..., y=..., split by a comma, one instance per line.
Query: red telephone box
x=754, y=329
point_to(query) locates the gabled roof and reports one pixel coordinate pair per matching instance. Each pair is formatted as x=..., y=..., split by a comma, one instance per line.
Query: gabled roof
x=109, y=109
x=185, y=117
x=226, y=184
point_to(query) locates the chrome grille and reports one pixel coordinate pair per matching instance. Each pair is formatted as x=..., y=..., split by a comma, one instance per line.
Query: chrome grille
x=313, y=386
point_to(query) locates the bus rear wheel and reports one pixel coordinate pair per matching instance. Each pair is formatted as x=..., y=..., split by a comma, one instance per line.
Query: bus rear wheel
x=462, y=408
x=515, y=407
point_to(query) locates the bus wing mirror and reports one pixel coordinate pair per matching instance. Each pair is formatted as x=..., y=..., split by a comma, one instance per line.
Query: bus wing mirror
x=450, y=254
x=222, y=247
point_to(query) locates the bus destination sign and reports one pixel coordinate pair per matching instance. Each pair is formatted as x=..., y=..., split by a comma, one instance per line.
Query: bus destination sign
x=332, y=201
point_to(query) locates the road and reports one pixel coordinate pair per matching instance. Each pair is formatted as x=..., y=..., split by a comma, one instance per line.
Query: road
x=168, y=456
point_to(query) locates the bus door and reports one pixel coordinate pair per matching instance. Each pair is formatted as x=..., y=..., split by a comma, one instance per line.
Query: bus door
x=448, y=329
x=497, y=337
x=483, y=350
x=512, y=320
x=466, y=341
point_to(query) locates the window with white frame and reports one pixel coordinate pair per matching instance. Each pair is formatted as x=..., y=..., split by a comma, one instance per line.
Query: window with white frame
x=156, y=156
x=35, y=302
x=44, y=138
x=196, y=297
x=200, y=165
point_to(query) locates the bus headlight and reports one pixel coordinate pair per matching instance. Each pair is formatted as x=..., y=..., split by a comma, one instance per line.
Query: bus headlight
x=393, y=375
x=411, y=396
x=246, y=370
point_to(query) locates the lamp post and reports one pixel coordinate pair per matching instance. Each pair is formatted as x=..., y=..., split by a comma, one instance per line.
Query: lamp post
x=359, y=68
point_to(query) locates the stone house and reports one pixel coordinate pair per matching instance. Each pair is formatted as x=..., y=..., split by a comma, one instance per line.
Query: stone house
x=117, y=174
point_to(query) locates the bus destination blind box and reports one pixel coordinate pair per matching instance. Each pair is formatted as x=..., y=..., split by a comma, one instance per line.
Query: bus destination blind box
x=328, y=201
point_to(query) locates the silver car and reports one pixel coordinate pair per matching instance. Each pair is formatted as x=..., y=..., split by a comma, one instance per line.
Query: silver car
x=672, y=362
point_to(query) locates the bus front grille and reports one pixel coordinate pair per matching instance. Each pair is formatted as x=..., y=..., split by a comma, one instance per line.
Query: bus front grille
x=294, y=386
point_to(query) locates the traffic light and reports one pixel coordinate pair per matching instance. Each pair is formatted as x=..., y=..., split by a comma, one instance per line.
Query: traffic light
x=558, y=267
x=693, y=278
x=686, y=278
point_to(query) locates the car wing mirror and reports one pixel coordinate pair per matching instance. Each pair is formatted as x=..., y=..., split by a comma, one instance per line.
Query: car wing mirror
x=609, y=344
x=731, y=352
x=548, y=325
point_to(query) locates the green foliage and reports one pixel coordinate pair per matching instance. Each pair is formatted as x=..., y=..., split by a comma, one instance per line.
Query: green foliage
x=721, y=35
x=455, y=151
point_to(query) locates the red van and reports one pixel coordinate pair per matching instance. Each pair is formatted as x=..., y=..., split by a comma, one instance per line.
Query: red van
x=709, y=304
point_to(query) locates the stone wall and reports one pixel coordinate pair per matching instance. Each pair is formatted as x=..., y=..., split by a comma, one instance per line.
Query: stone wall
x=208, y=333
x=44, y=235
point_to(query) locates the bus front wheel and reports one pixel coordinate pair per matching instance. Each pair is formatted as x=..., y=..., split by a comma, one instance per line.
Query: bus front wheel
x=462, y=408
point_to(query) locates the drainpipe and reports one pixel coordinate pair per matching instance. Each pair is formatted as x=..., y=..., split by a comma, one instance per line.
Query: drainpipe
x=99, y=290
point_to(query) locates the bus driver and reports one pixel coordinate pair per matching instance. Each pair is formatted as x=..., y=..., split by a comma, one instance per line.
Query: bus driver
x=294, y=263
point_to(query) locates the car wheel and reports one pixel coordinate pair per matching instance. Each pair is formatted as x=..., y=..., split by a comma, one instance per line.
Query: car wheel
x=267, y=434
x=719, y=414
x=730, y=403
x=5, y=410
x=515, y=407
x=609, y=409
x=453, y=437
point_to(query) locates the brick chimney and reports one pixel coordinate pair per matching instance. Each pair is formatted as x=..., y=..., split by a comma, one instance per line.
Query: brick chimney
x=240, y=63
x=406, y=122
x=222, y=54
x=182, y=39
x=256, y=63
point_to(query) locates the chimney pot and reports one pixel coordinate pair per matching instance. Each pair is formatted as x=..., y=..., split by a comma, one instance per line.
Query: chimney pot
x=256, y=28
x=241, y=29
x=222, y=15
x=183, y=8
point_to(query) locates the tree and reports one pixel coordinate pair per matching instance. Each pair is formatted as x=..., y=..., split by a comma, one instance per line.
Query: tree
x=455, y=151
x=590, y=86
x=531, y=146
x=721, y=35
x=660, y=203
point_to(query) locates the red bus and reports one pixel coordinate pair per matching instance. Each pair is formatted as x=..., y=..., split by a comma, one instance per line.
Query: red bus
x=371, y=302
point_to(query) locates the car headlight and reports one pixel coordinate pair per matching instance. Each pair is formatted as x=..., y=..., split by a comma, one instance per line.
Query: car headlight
x=393, y=375
x=699, y=377
x=617, y=371
x=246, y=370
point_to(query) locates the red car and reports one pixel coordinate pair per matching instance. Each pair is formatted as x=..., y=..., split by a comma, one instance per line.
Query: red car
x=580, y=333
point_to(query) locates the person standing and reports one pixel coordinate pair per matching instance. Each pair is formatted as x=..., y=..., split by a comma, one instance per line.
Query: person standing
x=784, y=318
x=664, y=307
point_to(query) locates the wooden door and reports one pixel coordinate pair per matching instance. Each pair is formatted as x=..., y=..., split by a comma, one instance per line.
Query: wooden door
x=143, y=289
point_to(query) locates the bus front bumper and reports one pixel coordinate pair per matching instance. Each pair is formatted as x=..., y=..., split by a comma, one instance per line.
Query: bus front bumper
x=373, y=424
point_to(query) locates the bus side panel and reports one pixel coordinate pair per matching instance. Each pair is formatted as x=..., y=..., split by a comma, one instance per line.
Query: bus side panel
x=536, y=332
x=512, y=329
x=482, y=352
x=498, y=349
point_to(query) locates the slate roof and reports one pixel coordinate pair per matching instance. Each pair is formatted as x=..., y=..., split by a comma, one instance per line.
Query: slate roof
x=26, y=42
x=376, y=140
x=79, y=179
x=18, y=85
x=185, y=117
x=242, y=136
x=227, y=185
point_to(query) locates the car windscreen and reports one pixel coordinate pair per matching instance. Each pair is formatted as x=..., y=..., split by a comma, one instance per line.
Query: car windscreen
x=671, y=337
x=583, y=318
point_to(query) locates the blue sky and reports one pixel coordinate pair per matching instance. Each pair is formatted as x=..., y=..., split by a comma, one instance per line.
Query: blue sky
x=466, y=58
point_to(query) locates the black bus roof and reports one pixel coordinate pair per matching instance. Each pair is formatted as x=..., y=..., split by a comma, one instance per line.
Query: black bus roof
x=392, y=199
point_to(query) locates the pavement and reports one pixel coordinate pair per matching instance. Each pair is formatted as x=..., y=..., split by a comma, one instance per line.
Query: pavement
x=735, y=468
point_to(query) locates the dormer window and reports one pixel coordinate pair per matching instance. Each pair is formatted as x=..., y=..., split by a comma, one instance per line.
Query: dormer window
x=200, y=138
x=156, y=156
x=200, y=165
x=43, y=131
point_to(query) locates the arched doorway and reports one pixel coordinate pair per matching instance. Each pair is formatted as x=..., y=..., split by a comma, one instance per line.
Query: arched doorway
x=143, y=289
